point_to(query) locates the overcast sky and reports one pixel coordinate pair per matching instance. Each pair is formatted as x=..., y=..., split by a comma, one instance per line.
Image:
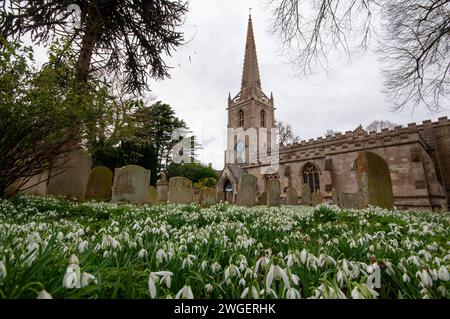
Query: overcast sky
x=210, y=66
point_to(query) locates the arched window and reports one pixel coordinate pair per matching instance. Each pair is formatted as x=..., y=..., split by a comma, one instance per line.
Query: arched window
x=311, y=177
x=263, y=119
x=241, y=118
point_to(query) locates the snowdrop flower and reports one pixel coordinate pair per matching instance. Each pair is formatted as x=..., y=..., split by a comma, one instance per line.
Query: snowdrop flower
x=86, y=279
x=215, y=267
x=327, y=292
x=187, y=262
x=242, y=282
x=262, y=262
x=295, y=279
x=341, y=278
x=303, y=256
x=185, y=293
x=374, y=280
x=293, y=293
x=274, y=273
x=425, y=278
x=204, y=265
x=166, y=277
x=160, y=255
x=443, y=273
x=406, y=278
x=142, y=253
x=44, y=295
x=244, y=293
x=60, y=237
x=209, y=287
x=415, y=260
x=71, y=277
x=2, y=269
x=152, y=279
x=363, y=292
x=82, y=246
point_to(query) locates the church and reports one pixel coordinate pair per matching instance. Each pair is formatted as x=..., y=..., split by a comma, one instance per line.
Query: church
x=417, y=155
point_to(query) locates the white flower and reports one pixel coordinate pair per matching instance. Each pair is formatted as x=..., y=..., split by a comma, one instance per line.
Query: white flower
x=425, y=278
x=406, y=278
x=166, y=277
x=443, y=273
x=209, y=287
x=363, y=292
x=415, y=260
x=244, y=293
x=242, y=282
x=215, y=267
x=262, y=262
x=374, y=280
x=71, y=277
x=274, y=273
x=160, y=255
x=185, y=293
x=142, y=253
x=86, y=279
x=295, y=279
x=341, y=277
x=82, y=246
x=2, y=270
x=60, y=237
x=303, y=256
x=255, y=294
x=151, y=285
x=293, y=293
x=44, y=295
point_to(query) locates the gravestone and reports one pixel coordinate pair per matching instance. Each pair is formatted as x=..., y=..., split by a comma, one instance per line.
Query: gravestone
x=99, y=183
x=180, y=190
x=207, y=197
x=273, y=192
x=36, y=185
x=262, y=200
x=162, y=185
x=349, y=200
x=69, y=178
x=131, y=185
x=247, y=190
x=153, y=195
x=317, y=198
x=306, y=195
x=374, y=181
x=292, y=197
x=334, y=197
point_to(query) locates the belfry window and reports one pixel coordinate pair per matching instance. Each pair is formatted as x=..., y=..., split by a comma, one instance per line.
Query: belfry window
x=241, y=118
x=311, y=177
x=263, y=119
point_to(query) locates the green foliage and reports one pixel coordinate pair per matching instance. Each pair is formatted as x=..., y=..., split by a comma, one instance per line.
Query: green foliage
x=40, y=111
x=206, y=182
x=325, y=213
x=194, y=171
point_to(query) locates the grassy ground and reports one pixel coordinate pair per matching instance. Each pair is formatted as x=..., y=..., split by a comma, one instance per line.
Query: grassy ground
x=101, y=250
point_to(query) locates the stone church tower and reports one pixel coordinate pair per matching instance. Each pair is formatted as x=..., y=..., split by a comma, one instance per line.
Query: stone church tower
x=249, y=109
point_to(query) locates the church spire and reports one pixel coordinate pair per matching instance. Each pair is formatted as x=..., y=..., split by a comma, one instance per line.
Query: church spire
x=251, y=82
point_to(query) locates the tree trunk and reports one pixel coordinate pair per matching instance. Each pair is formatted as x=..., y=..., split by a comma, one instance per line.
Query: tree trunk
x=88, y=43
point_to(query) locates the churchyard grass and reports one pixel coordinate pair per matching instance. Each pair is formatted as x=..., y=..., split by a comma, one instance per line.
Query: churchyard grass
x=102, y=250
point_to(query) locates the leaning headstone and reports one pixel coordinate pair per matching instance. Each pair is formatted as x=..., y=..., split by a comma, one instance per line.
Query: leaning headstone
x=317, y=198
x=247, y=190
x=262, y=200
x=273, y=192
x=153, y=195
x=207, y=197
x=162, y=185
x=131, y=185
x=70, y=176
x=36, y=185
x=374, y=180
x=292, y=197
x=180, y=190
x=99, y=183
x=306, y=195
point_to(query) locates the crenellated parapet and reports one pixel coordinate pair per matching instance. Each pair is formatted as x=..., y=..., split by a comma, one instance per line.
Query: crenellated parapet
x=359, y=140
